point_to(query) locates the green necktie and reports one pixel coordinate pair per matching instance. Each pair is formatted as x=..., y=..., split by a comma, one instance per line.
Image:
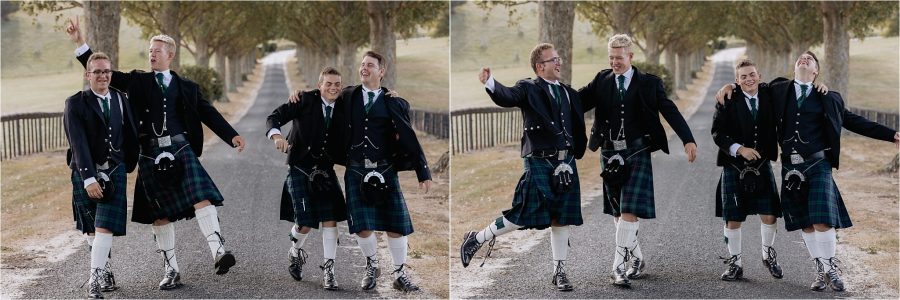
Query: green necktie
x=161, y=82
x=803, y=88
x=105, y=108
x=371, y=100
x=621, y=79
x=556, y=93
x=327, y=116
x=753, y=109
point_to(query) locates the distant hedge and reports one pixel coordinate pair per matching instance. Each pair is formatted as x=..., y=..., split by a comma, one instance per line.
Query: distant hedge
x=211, y=84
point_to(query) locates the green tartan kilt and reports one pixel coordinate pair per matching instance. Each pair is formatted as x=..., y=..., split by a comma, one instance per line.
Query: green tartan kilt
x=535, y=205
x=731, y=205
x=823, y=205
x=637, y=193
x=390, y=217
x=304, y=208
x=90, y=214
x=174, y=202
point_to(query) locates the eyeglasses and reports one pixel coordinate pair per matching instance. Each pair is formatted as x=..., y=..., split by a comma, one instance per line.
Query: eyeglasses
x=555, y=60
x=101, y=72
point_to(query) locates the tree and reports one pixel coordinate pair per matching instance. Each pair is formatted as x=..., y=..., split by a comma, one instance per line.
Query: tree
x=101, y=25
x=387, y=19
x=161, y=17
x=839, y=19
x=557, y=20
x=7, y=8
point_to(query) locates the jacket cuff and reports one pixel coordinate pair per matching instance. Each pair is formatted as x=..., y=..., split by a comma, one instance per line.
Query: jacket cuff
x=423, y=173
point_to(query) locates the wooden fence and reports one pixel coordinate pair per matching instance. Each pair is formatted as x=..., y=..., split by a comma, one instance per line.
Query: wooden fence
x=29, y=133
x=479, y=128
x=433, y=123
x=889, y=119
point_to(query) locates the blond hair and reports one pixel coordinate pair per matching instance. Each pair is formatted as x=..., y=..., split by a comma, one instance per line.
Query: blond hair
x=168, y=40
x=620, y=41
x=536, y=54
x=743, y=63
x=328, y=71
x=97, y=56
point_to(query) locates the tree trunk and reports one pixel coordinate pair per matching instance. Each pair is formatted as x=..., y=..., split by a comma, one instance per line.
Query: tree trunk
x=684, y=73
x=382, y=18
x=651, y=48
x=202, y=53
x=346, y=63
x=172, y=28
x=222, y=69
x=835, y=17
x=556, y=20
x=621, y=22
x=101, y=26
x=234, y=73
x=670, y=63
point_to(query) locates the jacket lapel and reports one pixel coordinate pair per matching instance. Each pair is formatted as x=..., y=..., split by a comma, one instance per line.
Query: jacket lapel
x=93, y=103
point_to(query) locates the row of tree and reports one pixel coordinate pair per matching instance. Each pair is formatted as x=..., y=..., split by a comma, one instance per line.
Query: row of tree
x=233, y=33
x=776, y=32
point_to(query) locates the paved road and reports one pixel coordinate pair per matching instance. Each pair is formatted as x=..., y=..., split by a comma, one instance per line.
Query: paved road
x=251, y=183
x=681, y=246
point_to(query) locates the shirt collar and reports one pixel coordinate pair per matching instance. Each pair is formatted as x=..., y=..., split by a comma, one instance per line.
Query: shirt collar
x=556, y=82
x=325, y=102
x=628, y=73
x=102, y=96
x=166, y=73
x=366, y=90
x=751, y=96
x=798, y=82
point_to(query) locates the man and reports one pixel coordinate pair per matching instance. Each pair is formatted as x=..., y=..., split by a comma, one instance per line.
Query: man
x=549, y=192
x=744, y=130
x=628, y=128
x=376, y=142
x=102, y=137
x=172, y=183
x=808, y=130
x=311, y=193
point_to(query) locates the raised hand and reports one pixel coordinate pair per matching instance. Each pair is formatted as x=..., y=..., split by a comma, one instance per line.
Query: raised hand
x=74, y=31
x=484, y=75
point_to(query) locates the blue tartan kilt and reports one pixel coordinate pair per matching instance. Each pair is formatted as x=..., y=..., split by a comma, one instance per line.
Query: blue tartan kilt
x=823, y=205
x=390, y=217
x=174, y=202
x=111, y=215
x=731, y=205
x=637, y=193
x=304, y=208
x=535, y=205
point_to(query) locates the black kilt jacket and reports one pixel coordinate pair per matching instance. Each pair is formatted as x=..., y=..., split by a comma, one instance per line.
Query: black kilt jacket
x=533, y=97
x=405, y=155
x=836, y=114
x=87, y=133
x=653, y=102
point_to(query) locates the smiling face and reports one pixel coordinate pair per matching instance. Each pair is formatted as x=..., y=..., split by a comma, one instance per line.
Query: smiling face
x=620, y=59
x=807, y=64
x=160, y=56
x=330, y=86
x=549, y=66
x=98, y=74
x=371, y=71
x=748, y=78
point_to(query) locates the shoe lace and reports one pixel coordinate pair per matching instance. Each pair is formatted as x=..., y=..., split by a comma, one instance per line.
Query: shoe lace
x=402, y=276
x=108, y=276
x=171, y=273
x=94, y=279
x=820, y=269
x=166, y=258
x=490, y=249
x=637, y=261
x=627, y=256
x=730, y=260
x=771, y=255
x=301, y=257
x=470, y=251
x=834, y=270
x=559, y=270
x=328, y=267
x=371, y=270
x=220, y=239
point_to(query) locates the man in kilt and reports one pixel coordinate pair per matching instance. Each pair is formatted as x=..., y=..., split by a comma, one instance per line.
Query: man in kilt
x=744, y=131
x=549, y=192
x=172, y=185
x=376, y=142
x=808, y=129
x=102, y=149
x=627, y=126
x=311, y=193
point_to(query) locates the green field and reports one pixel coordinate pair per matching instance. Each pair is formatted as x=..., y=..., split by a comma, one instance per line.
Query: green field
x=423, y=67
x=874, y=74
